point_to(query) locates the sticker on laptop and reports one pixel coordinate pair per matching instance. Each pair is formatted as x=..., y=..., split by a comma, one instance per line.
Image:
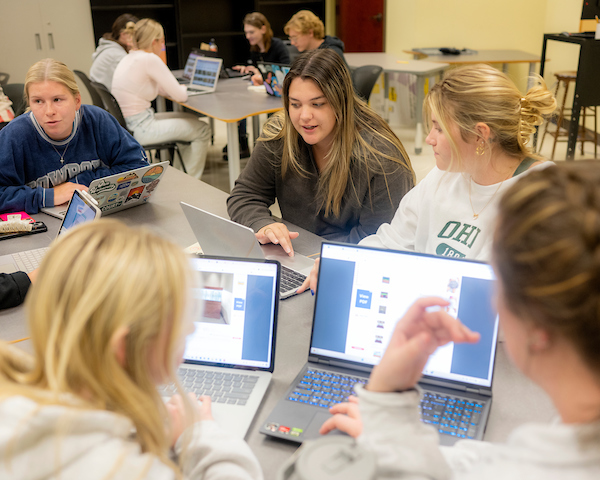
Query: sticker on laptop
x=134, y=194
x=151, y=186
x=128, y=177
x=152, y=174
x=103, y=186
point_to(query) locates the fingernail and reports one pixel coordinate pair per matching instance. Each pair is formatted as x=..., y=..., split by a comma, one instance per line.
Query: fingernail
x=312, y=292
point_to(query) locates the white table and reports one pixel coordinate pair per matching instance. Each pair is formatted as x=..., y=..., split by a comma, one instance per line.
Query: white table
x=394, y=64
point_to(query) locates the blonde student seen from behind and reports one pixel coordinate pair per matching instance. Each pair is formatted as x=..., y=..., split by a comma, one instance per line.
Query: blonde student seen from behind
x=545, y=255
x=108, y=317
x=480, y=133
x=335, y=167
x=138, y=79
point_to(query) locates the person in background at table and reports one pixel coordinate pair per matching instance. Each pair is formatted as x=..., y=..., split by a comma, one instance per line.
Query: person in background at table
x=335, y=167
x=118, y=301
x=14, y=287
x=139, y=78
x=481, y=126
x=307, y=32
x=60, y=145
x=112, y=48
x=546, y=258
x=264, y=47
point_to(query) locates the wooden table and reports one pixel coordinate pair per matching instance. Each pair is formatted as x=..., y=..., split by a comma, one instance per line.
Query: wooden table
x=393, y=64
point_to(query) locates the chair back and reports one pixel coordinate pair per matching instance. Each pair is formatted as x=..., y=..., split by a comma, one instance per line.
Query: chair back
x=14, y=91
x=96, y=99
x=292, y=51
x=364, y=78
x=110, y=104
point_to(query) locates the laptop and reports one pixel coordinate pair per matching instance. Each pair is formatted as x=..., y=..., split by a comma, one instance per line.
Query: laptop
x=82, y=208
x=188, y=70
x=361, y=295
x=121, y=190
x=219, y=236
x=273, y=75
x=205, y=76
x=231, y=354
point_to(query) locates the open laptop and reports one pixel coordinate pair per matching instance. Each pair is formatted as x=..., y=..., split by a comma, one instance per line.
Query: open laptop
x=231, y=355
x=361, y=295
x=273, y=75
x=205, y=76
x=121, y=190
x=188, y=70
x=82, y=208
x=219, y=236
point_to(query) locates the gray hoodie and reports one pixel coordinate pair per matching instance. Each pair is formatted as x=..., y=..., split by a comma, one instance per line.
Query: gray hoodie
x=104, y=61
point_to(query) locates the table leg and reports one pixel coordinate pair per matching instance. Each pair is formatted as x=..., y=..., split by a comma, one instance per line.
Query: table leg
x=233, y=153
x=419, y=114
x=573, y=128
x=255, y=128
x=530, y=76
x=386, y=96
x=505, y=68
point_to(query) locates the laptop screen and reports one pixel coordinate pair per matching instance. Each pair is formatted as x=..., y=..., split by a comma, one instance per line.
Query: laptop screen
x=207, y=72
x=188, y=70
x=363, y=292
x=78, y=212
x=236, y=323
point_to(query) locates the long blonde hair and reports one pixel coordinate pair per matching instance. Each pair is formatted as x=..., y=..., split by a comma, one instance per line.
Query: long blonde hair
x=353, y=119
x=95, y=281
x=472, y=94
x=50, y=70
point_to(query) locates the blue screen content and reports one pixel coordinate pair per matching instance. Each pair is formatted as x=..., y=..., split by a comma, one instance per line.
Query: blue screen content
x=78, y=212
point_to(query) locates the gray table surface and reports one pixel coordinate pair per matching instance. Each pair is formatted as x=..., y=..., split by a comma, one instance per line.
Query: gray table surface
x=516, y=399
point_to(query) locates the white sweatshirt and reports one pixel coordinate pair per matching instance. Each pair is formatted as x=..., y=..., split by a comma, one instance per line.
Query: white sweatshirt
x=139, y=78
x=49, y=441
x=437, y=217
x=408, y=449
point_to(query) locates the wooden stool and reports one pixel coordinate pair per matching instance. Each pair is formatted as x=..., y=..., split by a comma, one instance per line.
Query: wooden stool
x=564, y=114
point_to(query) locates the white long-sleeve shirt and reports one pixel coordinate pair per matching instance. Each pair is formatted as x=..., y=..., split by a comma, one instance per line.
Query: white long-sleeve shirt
x=408, y=449
x=437, y=217
x=139, y=78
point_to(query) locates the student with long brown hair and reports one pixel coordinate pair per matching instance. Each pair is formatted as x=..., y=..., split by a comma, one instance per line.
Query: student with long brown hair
x=108, y=317
x=335, y=167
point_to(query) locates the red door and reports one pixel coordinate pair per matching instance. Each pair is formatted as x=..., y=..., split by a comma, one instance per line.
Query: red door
x=359, y=24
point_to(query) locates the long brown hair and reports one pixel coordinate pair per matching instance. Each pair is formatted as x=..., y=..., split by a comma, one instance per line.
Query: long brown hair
x=354, y=118
x=258, y=20
x=547, y=253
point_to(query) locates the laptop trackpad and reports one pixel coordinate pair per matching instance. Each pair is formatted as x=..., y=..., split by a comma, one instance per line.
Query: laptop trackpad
x=312, y=431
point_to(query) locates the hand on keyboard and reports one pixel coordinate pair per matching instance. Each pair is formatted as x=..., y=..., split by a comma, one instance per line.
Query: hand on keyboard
x=177, y=413
x=415, y=337
x=346, y=418
x=277, y=233
x=311, y=279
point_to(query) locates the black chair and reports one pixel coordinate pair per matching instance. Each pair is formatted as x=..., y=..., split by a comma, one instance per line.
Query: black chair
x=112, y=106
x=292, y=51
x=96, y=98
x=14, y=91
x=364, y=78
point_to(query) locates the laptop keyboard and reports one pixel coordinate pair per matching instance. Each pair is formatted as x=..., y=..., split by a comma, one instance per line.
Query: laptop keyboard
x=451, y=415
x=230, y=388
x=29, y=260
x=324, y=389
x=290, y=279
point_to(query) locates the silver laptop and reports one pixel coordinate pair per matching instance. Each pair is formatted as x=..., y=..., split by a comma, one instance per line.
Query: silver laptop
x=219, y=236
x=188, y=70
x=82, y=208
x=361, y=295
x=231, y=355
x=121, y=190
x=205, y=76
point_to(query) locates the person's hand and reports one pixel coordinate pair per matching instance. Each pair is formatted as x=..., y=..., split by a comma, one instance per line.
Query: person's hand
x=246, y=69
x=346, y=418
x=416, y=336
x=257, y=79
x=177, y=414
x=33, y=275
x=64, y=192
x=277, y=233
x=311, y=279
